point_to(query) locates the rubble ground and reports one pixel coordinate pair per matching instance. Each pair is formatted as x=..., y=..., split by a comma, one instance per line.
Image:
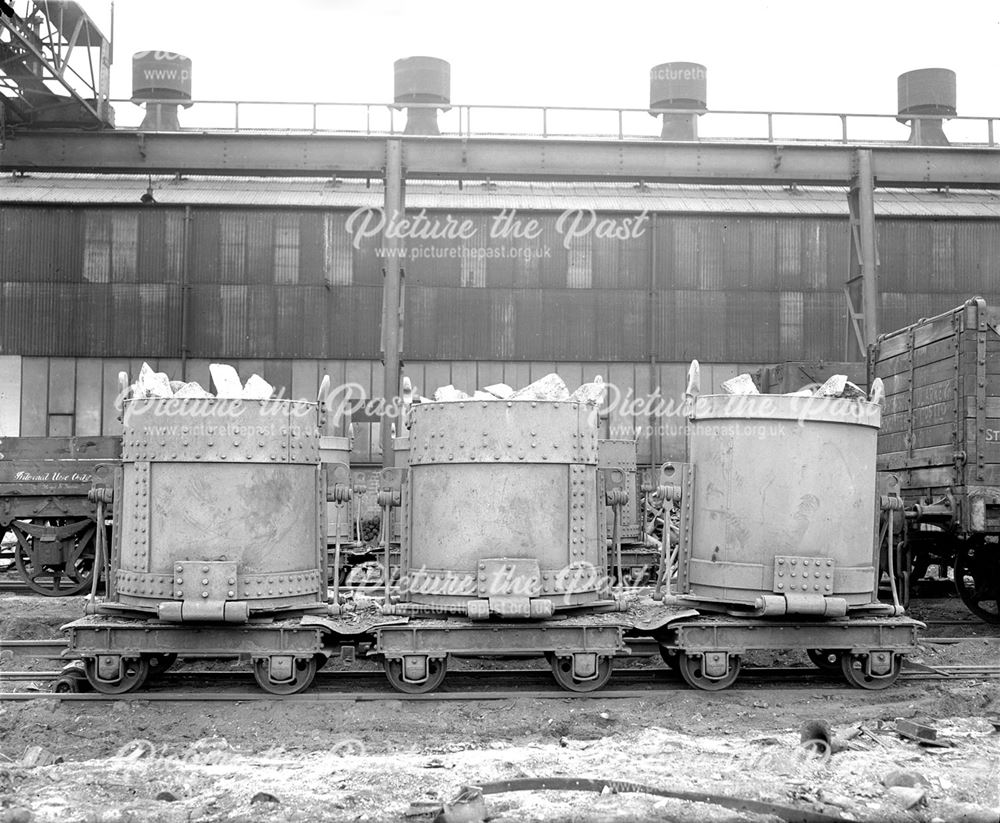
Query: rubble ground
x=353, y=760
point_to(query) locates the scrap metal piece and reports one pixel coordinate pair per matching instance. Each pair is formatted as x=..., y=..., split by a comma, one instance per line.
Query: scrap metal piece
x=919, y=732
x=575, y=784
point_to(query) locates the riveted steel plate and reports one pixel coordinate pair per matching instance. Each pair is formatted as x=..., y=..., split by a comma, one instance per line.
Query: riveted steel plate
x=142, y=584
x=622, y=454
x=132, y=506
x=803, y=574
x=509, y=576
x=503, y=431
x=209, y=580
x=219, y=429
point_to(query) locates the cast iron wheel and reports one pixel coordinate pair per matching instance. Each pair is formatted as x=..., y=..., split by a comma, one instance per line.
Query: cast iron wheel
x=691, y=670
x=135, y=672
x=72, y=679
x=68, y=685
x=671, y=657
x=853, y=667
x=436, y=670
x=74, y=573
x=160, y=663
x=826, y=659
x=977, y=578
x=302, y=678
x=562, y=671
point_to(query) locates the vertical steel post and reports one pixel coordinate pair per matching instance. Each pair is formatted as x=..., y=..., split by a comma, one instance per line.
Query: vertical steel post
x=862, y=287
x=393, y=248
x=652, y=318
x=865, y=184
x=185, y=291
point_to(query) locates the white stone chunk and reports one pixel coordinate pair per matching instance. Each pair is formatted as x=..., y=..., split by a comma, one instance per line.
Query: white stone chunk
x=192, y=389
x=800, y=393
x=499, y=390
x=483, y=395
x=741, y=384
x=550, y=387
x=227, y=381
x=590, y=392
x=833, y=387
x=854, y=392
x=449, y=393
x=257, y=388
x=152, y=383
x=877, y=394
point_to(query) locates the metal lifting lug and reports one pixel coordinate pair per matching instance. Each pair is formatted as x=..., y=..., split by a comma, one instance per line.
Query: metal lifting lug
x=390, y=491
x=890, y=502
x=615, y=488
x=101, y=494
x=338, y=483
x=673, y=477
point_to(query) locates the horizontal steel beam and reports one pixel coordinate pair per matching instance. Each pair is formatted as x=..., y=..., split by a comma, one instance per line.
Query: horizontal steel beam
x=311, y=155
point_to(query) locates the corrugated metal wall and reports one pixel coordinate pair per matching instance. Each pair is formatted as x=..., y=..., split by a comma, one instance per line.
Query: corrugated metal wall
x=107, y=282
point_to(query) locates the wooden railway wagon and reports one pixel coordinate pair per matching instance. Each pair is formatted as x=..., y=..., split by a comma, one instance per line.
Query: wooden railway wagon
x=940, y=438
x=44, y=507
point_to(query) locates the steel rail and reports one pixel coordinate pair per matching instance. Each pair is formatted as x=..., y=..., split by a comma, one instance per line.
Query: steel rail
x=651, y=681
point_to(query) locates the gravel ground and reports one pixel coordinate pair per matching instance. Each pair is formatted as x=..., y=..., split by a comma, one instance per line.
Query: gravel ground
x=361, y=761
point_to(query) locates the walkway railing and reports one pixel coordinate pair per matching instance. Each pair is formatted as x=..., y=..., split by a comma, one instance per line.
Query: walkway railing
x=477, y=120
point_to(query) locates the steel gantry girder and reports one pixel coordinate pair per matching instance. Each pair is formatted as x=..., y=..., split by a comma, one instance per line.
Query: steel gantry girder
x=453, y=158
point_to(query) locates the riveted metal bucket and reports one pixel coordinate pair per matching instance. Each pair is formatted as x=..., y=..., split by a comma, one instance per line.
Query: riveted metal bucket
x=220, y=509
x=784, y=503
x=501, y=504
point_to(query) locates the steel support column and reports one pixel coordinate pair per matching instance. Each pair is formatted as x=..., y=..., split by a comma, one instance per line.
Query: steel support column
x=393, y=247
x=862, y=288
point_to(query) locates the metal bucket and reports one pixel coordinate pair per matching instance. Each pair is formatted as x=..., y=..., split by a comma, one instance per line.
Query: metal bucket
x=219, y=510
x=782, y=515
x=501, y=507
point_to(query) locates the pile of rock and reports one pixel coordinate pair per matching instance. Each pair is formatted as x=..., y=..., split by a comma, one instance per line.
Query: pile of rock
x=551, y=387
x=226, y=379
x=837, y=385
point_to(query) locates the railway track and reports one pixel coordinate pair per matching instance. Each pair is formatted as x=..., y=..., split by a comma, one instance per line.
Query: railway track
x=370, y=685
x=640, y=647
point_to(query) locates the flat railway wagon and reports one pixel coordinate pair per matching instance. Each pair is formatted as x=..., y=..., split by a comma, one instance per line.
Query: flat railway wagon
x=46, y=517
x=502, y=506
x=940, y=442
x=778, y=544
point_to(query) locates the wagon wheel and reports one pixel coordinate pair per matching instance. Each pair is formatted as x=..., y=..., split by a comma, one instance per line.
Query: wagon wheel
x=826, y=659
x=160, y=663
x=853, y=668
x=302, y=678
x=977, y=578
x=436, y=670
x=135, y=670
x=6, y=551
x=562, y=671
x=692, y=672
x=55, y=557
x=671, y=657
